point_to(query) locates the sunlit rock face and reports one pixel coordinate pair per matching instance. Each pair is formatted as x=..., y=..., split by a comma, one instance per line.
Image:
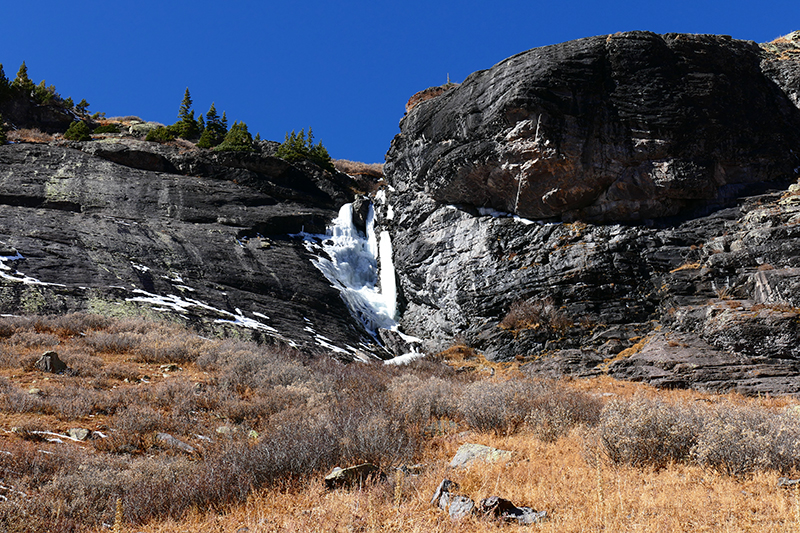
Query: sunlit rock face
x=632, y=189
x=624, y=127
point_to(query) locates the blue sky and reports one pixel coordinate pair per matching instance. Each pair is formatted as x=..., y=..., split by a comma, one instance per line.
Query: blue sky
x=344, y=68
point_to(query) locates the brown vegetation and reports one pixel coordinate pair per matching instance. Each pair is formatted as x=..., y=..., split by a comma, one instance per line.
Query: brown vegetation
x=265, y=424
x=29, y=136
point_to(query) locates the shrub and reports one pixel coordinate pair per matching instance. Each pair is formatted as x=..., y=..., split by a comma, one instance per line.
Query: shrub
x=78, y=131
x=556, y=409
x=160, y=134
x=533, y=314
x=643, y=432
x=499, y=406
x=107, y=128
x=238, y=139
x=420, y=401
x=738, y=440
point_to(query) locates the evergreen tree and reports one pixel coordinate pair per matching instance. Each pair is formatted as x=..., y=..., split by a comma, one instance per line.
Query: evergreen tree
x=186, y=127
x=22, y=82
x=186, y=106
x=5, y=85
x=68, y=103
x=201, y=124
x=299, y=147
x=238, y=139
x=82, y=107
x=214, y=132
x=2, y=126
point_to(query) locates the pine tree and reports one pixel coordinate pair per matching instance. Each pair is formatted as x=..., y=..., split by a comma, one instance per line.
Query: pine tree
x=186, y=106
x=201, y=124
x=214, y=132
x=5, y=85
x=298, y=147
x=186, y=127
x=83, y=107
x=2, y=126
x=68, y=103
x=22, y=82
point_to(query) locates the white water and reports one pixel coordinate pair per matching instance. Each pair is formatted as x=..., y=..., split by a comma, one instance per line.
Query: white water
x=352, y=267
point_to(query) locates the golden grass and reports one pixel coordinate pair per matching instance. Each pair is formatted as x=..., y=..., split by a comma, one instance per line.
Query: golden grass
x=555, y=477
x=579, y=491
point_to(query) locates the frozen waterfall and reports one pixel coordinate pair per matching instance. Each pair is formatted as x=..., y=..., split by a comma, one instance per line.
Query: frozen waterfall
x=351, y=266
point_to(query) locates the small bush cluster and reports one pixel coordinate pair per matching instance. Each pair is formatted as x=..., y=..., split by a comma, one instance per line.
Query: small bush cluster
x=78, y=131
x=534, y=314
x=731, y=439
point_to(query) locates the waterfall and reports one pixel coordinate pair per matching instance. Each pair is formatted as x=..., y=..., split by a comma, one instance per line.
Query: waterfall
x=351, y=266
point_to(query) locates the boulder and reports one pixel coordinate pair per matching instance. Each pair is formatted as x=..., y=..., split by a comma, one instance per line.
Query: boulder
x=457, y=506
x=469, y=453
x=79, y=433
x=50, y=362
x=353, y=476
x=502, y=509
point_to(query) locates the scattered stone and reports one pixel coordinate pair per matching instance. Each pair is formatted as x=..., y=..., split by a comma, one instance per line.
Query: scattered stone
x=354, y=475
x=78, y=433
x=502, y=509
x=445, y=487
x=34, y=391
x=171, y=367
x=461, y=507
x=787, y=483
x=469, y=453
x=169, y=441
x=50, y=362
x=457, y=505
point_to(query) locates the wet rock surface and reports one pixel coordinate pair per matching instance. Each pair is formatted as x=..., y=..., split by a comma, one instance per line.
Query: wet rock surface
x=661, y=217
x=125, y=227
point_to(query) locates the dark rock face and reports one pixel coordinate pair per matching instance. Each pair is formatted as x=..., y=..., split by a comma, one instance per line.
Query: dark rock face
x=127, y=227
x=604, y=133
x=606, y=129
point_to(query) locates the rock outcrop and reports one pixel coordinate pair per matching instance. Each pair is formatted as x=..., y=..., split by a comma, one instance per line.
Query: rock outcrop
x=638, y=183
x=121, y=226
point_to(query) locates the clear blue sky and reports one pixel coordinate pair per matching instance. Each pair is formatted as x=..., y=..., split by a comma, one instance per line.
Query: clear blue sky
x=344, y=68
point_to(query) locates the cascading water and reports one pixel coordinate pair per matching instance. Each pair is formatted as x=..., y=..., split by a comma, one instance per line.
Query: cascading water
x=352, y=267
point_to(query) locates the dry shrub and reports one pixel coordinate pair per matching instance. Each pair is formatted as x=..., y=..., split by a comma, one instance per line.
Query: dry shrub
x=29, y=135
x=738, y=440
x=499, y=406
x=355, y=167
x=646, y=433
x=557, y=409
x=420, y=401
x=534, y=314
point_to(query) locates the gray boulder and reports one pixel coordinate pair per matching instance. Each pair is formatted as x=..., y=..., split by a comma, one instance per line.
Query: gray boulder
x=469, y=453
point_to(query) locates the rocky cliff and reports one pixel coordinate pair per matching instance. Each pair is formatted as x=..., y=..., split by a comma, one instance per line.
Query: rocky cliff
x=121, y=226
x=618, y=204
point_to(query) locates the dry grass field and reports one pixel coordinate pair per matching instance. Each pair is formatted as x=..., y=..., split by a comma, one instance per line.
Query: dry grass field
x=256, y=429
